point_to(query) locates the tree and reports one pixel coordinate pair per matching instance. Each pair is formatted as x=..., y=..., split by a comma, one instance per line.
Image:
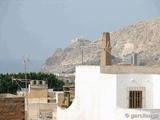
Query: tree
x=9, y=86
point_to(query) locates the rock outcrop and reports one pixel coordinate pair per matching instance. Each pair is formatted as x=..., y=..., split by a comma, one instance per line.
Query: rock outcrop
x=142, y=38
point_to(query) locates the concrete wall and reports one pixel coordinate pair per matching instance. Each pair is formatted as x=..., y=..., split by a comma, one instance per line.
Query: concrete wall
x=45, y=109
x=38, y=94
x=125, y=69
x=38, y=102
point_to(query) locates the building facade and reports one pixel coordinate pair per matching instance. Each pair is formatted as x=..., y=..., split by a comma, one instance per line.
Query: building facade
x=40, y=104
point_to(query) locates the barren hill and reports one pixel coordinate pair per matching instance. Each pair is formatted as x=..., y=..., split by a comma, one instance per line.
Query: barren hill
x=142, y=38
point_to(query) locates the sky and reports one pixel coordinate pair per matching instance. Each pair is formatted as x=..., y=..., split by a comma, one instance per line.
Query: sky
x=38, y=27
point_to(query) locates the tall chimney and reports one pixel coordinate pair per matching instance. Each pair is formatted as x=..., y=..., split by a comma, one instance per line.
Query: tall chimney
x=106, y=58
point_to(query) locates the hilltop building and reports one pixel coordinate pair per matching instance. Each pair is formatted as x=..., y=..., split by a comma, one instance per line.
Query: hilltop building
x=130, y=59
x=114, y=92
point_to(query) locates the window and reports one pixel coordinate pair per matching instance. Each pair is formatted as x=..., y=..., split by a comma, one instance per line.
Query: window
x=135, y=99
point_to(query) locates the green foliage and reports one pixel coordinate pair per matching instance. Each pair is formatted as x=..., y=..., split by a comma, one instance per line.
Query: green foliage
x=9, y=86
x=66, y=88
x=66, y=94
x=64, y=106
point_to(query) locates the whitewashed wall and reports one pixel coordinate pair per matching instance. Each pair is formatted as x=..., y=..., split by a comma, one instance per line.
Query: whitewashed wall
x=95, y=96
x=156, y=91
x=136, y=81
x=105, y=96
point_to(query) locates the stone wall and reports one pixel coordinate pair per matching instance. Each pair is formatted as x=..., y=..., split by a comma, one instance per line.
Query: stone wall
x=63, y=100
x=12, y=108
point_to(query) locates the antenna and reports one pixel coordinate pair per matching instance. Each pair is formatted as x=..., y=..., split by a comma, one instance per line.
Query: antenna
x=25, y=61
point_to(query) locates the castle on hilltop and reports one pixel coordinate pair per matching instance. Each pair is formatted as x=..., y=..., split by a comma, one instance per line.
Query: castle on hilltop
x=77, y=40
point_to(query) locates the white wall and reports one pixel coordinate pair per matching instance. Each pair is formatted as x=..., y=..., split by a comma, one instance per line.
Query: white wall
x=156, y=91
x=105, y=96
x=138, y=81
x=95, y=96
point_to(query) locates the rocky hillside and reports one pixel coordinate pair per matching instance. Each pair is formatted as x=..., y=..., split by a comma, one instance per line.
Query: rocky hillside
x=142, y=38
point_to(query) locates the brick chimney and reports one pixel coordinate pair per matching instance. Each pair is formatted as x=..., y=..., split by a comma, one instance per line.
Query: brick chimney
x=106, y=58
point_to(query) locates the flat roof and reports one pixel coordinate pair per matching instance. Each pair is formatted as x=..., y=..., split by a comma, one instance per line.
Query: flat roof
x=126, y=69
x=8, y=95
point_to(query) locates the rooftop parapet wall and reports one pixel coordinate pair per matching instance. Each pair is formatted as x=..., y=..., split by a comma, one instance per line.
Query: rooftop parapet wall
x=130, y=69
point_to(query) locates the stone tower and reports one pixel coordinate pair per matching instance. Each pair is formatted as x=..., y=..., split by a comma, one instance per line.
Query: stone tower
x=106, y=58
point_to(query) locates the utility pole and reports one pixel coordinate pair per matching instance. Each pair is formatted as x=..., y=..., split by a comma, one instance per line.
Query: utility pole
x=25, y=60
x=83, y=50
x=25, y=75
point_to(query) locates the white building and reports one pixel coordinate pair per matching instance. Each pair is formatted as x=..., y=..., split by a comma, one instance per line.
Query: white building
x=119, y=92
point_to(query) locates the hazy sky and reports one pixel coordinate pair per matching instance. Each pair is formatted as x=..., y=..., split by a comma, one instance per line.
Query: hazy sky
x=38, y=27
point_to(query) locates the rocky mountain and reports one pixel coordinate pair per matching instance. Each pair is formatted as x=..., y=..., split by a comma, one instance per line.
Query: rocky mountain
x=142, y=38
